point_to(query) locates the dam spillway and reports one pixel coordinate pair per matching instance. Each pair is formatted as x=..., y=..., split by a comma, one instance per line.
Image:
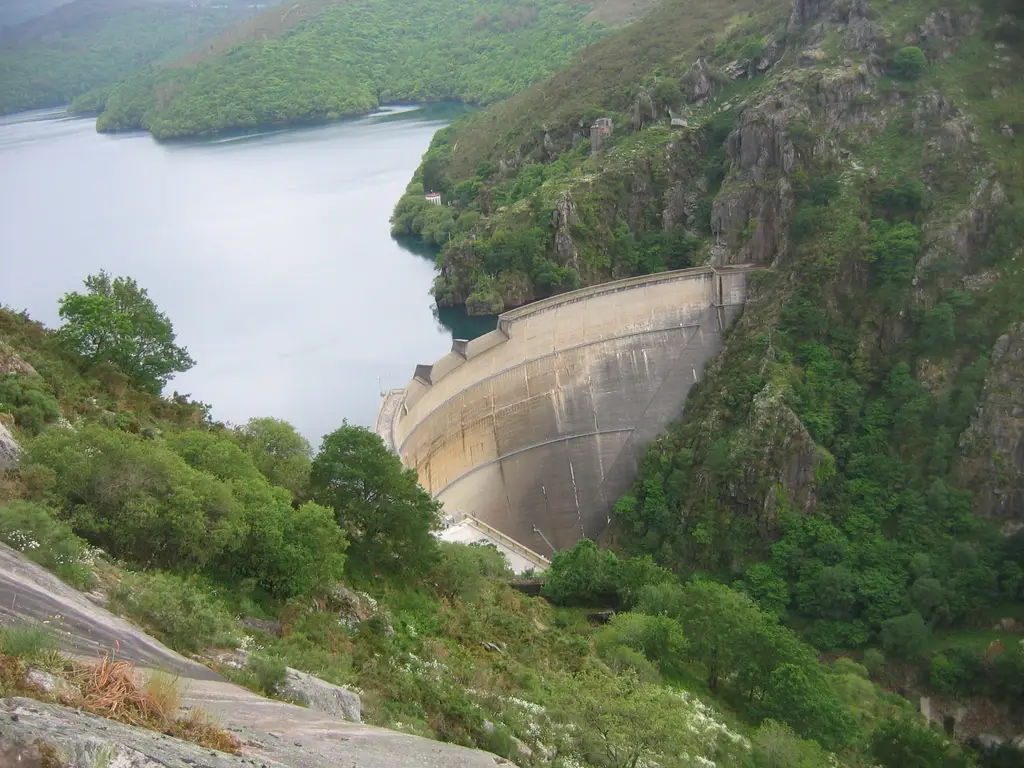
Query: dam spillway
x=536, y=427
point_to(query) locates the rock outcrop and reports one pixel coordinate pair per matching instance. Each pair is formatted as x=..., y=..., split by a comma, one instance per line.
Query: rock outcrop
x=274, y=734
x=38, y=735
x=993, y=445
x=10, y=450
x=322, y=696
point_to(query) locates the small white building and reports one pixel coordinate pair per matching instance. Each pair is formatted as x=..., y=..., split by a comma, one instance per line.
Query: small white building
x=434, y=198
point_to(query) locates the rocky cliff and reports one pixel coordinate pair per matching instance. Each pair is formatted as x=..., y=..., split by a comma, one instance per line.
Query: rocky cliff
x=865, y=151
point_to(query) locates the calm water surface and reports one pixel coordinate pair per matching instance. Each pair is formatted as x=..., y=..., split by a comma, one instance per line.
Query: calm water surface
x=270, y=253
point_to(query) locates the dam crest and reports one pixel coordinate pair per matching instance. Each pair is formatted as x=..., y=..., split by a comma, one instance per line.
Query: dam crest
x=534, y=430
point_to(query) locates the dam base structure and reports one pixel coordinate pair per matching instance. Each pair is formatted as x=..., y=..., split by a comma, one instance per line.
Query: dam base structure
x=535, y=428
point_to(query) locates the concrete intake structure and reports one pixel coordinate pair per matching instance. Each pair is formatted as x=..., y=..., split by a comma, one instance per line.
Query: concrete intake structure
x=535, y=428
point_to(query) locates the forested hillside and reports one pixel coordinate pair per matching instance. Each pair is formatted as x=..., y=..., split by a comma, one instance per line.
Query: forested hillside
x=50, y=60
x=854, y=460
x=350, y=58
x=245, y=547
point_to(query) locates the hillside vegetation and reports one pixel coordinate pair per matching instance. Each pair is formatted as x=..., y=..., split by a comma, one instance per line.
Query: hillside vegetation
x=50, y=60
x=350, y=58
x=187, y=525
x=853, y=459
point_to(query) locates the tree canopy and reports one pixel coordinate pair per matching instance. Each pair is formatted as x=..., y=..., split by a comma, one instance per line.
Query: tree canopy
x=116, y=322
x=386, y=515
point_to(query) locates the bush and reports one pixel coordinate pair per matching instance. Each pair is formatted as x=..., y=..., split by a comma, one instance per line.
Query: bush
x=909, y=63
x=659, y=638
x=181, y=612
x=899, y=743
x=905, y=636
x=269, y=673
x=135, y=498
x=463, y=572
x=25, y=399
x=32, y=530
x=583, y=575
x=874, y=662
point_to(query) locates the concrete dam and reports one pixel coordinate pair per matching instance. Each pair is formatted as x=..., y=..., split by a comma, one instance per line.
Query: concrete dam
x=535, y=428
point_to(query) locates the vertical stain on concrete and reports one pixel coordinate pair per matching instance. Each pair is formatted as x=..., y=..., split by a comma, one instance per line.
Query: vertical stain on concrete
x=575, y=493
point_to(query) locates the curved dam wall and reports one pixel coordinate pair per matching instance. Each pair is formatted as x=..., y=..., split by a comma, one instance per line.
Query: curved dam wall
x=535, y=428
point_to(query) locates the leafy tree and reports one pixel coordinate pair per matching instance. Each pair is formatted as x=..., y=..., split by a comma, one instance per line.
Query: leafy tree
x=901, y=743
x=136, y=498
x=905, y=636
x=659, y=638
x=583, y=575
x=279, y=451
x=387, y=517
x=463, y=572
x=801, y=697
x=621, y=722
x=115, y=321
x=777, y=746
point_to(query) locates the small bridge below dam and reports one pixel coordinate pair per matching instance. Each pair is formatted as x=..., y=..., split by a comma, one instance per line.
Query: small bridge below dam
x=534, y=429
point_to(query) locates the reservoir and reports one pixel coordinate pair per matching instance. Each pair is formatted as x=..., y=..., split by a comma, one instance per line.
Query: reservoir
x=270, y=253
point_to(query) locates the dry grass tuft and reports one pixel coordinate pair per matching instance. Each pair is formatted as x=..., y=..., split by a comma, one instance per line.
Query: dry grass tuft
x=111, y=689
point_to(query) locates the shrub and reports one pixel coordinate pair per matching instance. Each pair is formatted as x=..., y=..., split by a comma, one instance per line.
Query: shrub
x=905, y=636
x=874, y=662
x=32, y=530
x=909, y=63
x=135, y=498
x=583, y=575
x=25, y=399
x=463, y=572
x=269, y=673
x=180, y=611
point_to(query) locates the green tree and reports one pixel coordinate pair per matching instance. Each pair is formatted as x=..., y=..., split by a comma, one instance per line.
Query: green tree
x=136, y=498
x=116, y=322
x=621, y=722
x=900, y=743
x=386, y=516
x=802, y=697
x=583, y=575
x=905, y=636
x=279, y=451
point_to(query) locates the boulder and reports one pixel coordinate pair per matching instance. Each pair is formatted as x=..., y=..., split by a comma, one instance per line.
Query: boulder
x=51, y=684
x=314, y=693
x=353, y=607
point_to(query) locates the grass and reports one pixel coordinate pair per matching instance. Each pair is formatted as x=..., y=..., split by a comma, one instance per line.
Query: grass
x=26, y=642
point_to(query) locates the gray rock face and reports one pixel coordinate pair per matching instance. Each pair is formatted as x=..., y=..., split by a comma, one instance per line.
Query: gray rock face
x=322, y=696
x=274, y=733
x=31, y=732
x=697, y=83
x=11, y=362
x=993, y=445
x=10, y=451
